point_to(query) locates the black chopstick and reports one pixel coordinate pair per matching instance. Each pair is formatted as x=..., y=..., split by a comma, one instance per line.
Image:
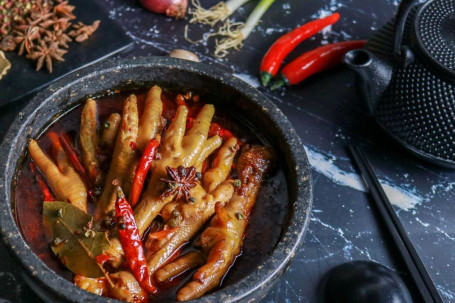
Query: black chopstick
x=410, y=256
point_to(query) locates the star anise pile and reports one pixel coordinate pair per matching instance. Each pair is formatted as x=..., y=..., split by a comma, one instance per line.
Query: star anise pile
x=40, y=29
x=180, y=181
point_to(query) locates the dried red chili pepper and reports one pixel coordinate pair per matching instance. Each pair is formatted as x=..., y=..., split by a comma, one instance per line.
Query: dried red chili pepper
x=315, y=61
x=101, y=258
x=216, y=129
x=132, y=243
x=142, y=169
x=47, y=194
x=189, y=122
x=72, y=156
x=162, y=233
x=285, y=44
x=181, y=100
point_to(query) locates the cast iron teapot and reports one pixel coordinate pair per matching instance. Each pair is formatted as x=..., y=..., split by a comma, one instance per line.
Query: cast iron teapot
x=406, y=74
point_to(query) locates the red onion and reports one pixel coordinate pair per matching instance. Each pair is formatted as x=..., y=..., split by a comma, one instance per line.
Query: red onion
x=172, y=8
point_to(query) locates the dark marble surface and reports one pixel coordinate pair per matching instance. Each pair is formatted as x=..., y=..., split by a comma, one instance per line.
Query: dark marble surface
x=326, y=114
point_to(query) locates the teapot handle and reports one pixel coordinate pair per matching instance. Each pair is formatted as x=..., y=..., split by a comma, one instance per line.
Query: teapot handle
x=400, y=21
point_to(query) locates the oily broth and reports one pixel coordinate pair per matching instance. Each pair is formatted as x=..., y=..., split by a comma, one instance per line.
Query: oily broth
x=267, y=219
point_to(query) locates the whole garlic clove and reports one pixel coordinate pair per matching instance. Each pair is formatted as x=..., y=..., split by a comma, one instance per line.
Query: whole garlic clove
x=184, y=54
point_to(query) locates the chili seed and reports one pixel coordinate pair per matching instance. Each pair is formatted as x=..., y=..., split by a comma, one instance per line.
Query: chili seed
x=237, y=183
x=239, y=216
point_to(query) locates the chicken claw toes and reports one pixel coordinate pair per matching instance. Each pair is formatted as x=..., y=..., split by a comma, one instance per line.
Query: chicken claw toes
x=222, y=240
x=64, y=181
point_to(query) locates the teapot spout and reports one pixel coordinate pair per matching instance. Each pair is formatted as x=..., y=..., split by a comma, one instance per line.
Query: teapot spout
x=373, y=75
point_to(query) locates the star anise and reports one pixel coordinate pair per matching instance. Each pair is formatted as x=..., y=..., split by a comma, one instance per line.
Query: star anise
x=45, y=53
x=65, y=10
x=81, y=32
x=24, y=35
x=59, y=37
x=61, y=24
x=180, y=181
x=37, y=18
x=8, y=43
x=41, y=7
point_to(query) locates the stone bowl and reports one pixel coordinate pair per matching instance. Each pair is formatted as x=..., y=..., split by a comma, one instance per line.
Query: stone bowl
x=232, y=94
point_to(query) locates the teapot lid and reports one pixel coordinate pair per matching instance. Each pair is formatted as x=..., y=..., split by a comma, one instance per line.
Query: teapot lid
x=435, y=33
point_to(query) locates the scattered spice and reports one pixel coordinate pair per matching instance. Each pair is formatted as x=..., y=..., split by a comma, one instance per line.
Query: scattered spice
x=46, y=53
x=237, y=183
x=40, y=29
x=81, y=31
x=239, y=216
x=180, y=181
x=7, y=44
x=12, y=11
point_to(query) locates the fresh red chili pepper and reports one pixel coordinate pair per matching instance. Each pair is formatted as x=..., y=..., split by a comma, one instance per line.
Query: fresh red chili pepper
x=142, y=169
x=47, y=194
x=132, y=243
x=315, y=61
x=285, y=44
x=72, y=156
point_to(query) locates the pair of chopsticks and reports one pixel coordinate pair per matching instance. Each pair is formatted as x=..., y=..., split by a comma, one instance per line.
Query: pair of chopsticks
x=412, y=260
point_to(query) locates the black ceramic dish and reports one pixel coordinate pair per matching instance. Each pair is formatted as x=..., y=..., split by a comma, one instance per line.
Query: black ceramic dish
x=241, y=98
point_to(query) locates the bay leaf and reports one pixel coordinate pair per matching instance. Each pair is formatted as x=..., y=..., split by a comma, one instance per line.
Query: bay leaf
x=64, y=223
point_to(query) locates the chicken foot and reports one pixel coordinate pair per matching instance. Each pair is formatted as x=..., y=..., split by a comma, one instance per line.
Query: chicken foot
x=222, y=240
x=64, y=181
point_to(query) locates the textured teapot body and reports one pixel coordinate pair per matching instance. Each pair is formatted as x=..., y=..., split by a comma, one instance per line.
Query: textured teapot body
x=411, y=92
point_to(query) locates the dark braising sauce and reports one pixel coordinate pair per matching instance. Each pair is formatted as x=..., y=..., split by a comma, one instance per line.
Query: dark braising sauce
x=266, y=221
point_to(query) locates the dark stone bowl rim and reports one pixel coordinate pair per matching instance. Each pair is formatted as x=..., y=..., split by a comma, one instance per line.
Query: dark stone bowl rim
x=266, y=273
